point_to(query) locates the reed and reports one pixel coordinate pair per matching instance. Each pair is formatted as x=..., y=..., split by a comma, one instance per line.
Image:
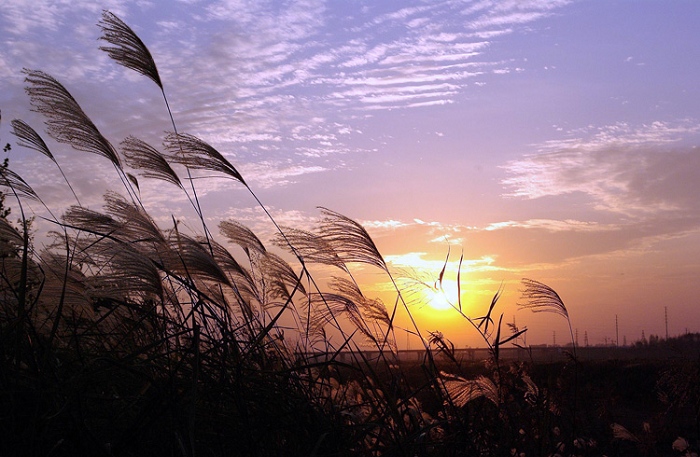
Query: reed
x=127, y=337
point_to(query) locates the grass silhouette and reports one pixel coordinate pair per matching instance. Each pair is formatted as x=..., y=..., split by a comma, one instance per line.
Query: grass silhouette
x=124, y=337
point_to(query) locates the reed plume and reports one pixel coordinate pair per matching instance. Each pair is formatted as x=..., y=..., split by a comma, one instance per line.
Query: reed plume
x=462, y=391
x=17, y=185
x=189, y=258
x=29, y=138
x=540, y=298
x=312, y=247
x=280, y=277
x=242, y=236
x=10, y=238
x=141, y=156
x=349, y=240
x=196, y=154
x=126, y=47
x=65, y=120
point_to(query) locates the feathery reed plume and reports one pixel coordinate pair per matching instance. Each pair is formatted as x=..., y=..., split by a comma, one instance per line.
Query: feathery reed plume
x=242, y=236
x=195, y=154
x=16, y=184
x=349, y=240
x=136, y=224
x=224, y=258
x=241, y=279
x=190, y=258
x=280, y=276
x=66, y=121
x=371, y=309
x=348, y=300
x=91, y=221
x=352, y=243
x=29, y=138
x=121, y=221
x=413, y=284
x=130, y=273
x=327, y=306
x=71, y=285
x=621, y=433
x=127, y=48
x=141, y=156
x=540, y=298
x=310, y=246
x=461, y=391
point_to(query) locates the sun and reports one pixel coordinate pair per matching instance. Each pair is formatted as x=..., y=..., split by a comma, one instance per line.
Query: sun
x=442, y=298
x=438, y=300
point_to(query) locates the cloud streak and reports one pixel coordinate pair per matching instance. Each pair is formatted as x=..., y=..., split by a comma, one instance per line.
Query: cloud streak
x=625, y=170
x=247, y=75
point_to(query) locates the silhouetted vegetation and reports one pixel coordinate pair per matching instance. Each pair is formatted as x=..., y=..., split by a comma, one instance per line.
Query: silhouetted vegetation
x=123, y=337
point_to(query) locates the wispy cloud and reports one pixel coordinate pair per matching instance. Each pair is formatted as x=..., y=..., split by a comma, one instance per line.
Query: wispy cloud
x=624, y=169
x=551, y=225
x=640, y=180
x=419, y=261
x=272, y=174
x=247, y=76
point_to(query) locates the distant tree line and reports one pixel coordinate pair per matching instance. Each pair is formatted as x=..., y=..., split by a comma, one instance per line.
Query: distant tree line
x=680, y=342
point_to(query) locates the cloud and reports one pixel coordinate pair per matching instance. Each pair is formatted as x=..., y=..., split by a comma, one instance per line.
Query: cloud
x=642, y=180
x=270, y=174
x=417, y=261
x=246, y=75
x=623, y=169
x=389, y=224
x=550, y=225
x=509, y=19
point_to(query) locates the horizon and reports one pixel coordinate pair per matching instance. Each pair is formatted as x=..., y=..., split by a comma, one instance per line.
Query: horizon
x=552, y=140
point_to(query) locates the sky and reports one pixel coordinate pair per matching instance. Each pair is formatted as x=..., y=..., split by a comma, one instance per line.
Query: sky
x=553, y=140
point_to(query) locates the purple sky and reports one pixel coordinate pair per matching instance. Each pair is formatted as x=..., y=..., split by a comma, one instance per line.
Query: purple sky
x=555, y=140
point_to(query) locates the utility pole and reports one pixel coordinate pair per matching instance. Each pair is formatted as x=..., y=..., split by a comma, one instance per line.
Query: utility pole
x=554, y=337
x=585, y=338
x=617, y=332
x=666, y=319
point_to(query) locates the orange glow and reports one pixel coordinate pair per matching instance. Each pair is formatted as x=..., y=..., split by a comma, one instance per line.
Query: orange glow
x=443, y=297
x=437, y=299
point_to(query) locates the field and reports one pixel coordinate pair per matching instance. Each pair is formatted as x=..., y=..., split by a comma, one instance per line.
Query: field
x=124, y=337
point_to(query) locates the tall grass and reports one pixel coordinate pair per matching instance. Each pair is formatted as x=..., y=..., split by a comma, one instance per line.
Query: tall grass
x=126, y=337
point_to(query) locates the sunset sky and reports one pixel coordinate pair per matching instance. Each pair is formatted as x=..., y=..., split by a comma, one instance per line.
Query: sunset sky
x=553, y=140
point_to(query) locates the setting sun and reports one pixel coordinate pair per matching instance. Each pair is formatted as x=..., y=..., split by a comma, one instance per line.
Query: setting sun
x=437, y=299
x=443, y=298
